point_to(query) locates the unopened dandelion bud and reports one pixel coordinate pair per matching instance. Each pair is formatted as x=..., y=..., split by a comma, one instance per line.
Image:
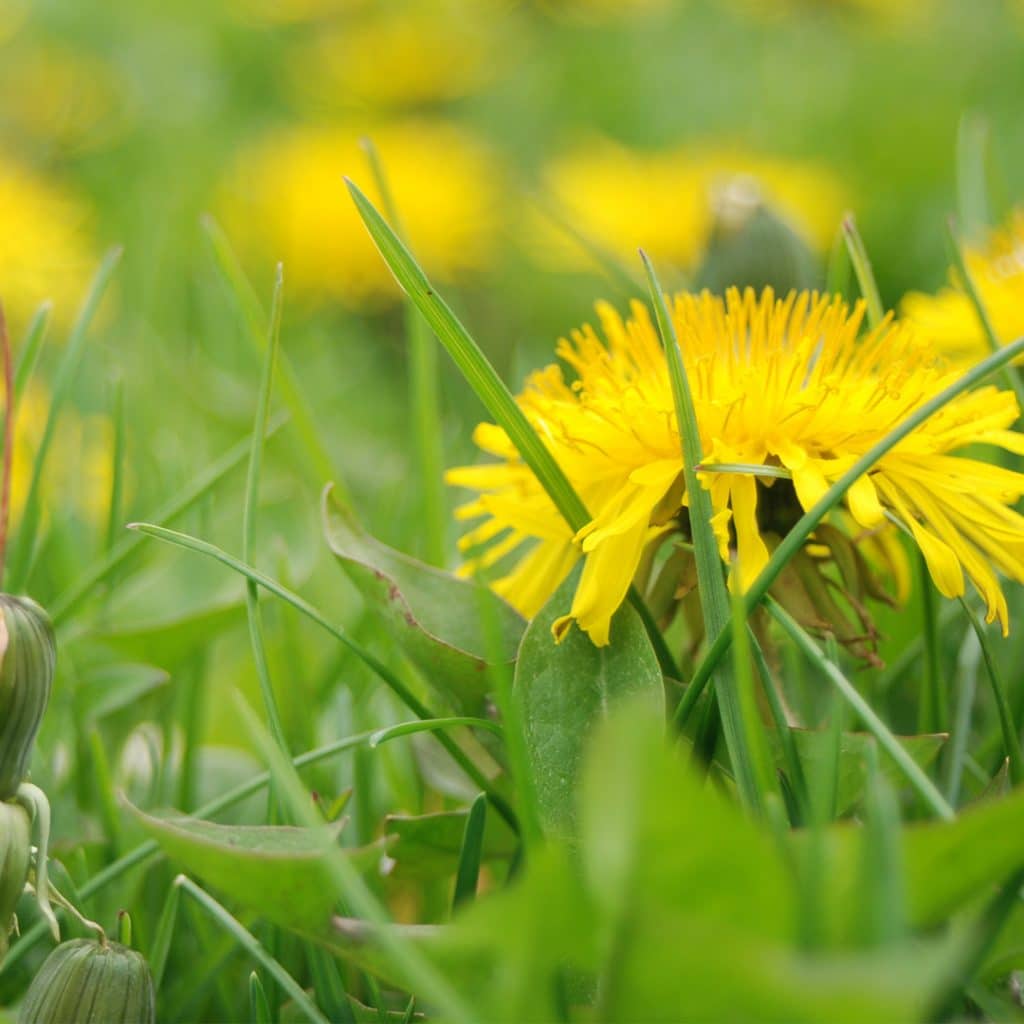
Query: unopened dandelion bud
x=15, y=858
x=87, y=982
x=27, y=657
x=751, y=245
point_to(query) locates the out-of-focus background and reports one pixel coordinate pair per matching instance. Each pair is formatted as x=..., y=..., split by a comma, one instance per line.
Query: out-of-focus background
x=531, y=147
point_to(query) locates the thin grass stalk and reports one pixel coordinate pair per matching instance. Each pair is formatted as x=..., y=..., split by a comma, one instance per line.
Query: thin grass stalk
x=491, y=390
x=740, y=730
x=933, y=713
x=31, y=347
x=956, y=253
x=389, y=678
x=24, y=547
x=405, y=957
x=254, y=322
x=913, y=772
x=1011, y=736
x=114, y=512
x=862, y=268
x=424, y=398
x=973, y=207
x=808, y=522
x=251, y=945
x=967, y=675
x=200, y=487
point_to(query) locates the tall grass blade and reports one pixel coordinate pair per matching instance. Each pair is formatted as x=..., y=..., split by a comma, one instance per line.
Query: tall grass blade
x=28, y=355
x=25, y=541
x=468, y=874
x=862, y=268
x=740, y=731
x=489, y=388
x=973, y=208
x=917, y=778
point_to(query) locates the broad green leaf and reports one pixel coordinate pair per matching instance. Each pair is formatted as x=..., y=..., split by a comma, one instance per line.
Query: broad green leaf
x=277, y=871
x=434, y=616
x=814, y=750
x=427, y=846
x=566, y=688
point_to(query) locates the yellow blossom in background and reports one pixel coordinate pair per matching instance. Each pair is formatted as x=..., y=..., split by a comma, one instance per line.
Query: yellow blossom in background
x=997, y=270
x=781, y=383
x=392, y=57
x=44, y=247
x=12, y=16
x=79, y=468
x=59, y=97
x=287, y=201
x=622, y=199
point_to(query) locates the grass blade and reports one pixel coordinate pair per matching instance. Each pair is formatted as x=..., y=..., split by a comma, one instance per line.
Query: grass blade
x=389, y=678
x=25, y=542
x=489, y=388
x=807, y=523
x=251, y=945
x=254, y=321
x=956, y=253
x=204, y=482
x=114, y=513
x=258, y=1004
x=739, y=730
x=862, y=269
x=469, y=857
x=934, y=710
x=424, y=399
x=917, y=778
x=393, y=732
x=161, y=947
x=31, y=347
x=973, y=207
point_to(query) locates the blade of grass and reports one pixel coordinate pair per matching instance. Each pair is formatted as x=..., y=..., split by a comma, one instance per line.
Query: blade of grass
x=973, y=208
x=807, y=523
x=258, y=1005
x=489, y=388
x=967, y=675
x=862, y=268
x=383, y=672
x=956, y=253
x=883, y=906
x=31, y=347
x=413, y=966
x=25, y=542
x=254, y=322
x=252, y=487
x=1011, y=737
x=424, y=397
x=328, y=985
x=468, y=874
x=741, y=733
x=114, y=513
x=393, y=732
x=200, y=487
x=161, y=947
x=934, y=709
x=837, y=277
x=249, y=943
x=913, y=772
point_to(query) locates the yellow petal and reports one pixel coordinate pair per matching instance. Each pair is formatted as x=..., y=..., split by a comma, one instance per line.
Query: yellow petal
x=865, y=507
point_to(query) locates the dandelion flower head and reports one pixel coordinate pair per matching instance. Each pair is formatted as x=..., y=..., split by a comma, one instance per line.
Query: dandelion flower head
x=997, y=270
x=287, y=201
x=785, y=383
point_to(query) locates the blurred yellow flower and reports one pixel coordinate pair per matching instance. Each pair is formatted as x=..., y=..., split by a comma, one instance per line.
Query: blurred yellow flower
x=784, y=384
x=44, y=251
x=623, y=199
x=287, y=201
x=79, y=467
x=60, y=97
x=997, y=269
x=416, y=54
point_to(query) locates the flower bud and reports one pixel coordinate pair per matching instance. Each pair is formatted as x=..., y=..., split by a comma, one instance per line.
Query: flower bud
x=86, y=982
x=15, y=856
x=27, y=656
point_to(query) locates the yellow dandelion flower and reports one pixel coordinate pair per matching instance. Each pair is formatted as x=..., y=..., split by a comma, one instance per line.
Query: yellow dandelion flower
x=997, y=269
x=622, y=198
x=287, y=201
x=784, y=383
x=411, y=56
x=58, y=96
x=44, y=253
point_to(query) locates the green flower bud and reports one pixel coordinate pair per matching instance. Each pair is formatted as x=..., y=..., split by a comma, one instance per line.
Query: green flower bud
x=85, y=982
x=752, y=246
x=27, y=656
x=15, y=857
